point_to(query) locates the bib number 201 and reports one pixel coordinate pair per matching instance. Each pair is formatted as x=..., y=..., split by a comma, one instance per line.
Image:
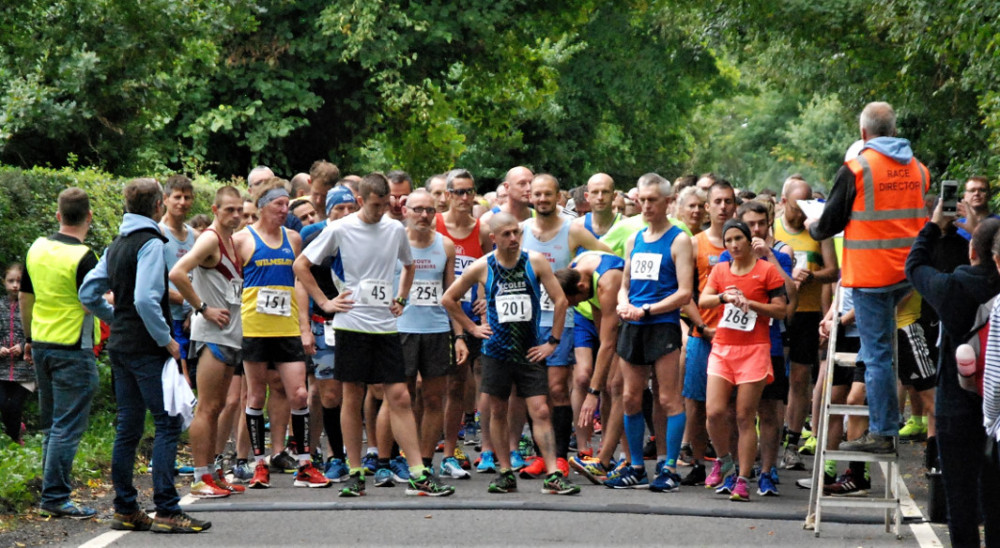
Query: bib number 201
x=513, y=308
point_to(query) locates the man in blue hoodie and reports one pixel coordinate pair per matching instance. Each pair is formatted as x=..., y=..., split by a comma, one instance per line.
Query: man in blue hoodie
x=133, y=269
x=878, y=201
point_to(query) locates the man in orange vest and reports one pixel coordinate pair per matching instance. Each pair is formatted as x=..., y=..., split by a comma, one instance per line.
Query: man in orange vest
x=877, y=200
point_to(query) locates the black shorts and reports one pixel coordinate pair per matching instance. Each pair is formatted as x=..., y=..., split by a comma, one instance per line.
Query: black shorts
x=531, y=379
x=427, y=353
x=273, y=349
x=802, y=340
x=916, y=368
x=778, y=389
x=644, y=344
x=368, y=358
x=475, y=346
x=844, y=375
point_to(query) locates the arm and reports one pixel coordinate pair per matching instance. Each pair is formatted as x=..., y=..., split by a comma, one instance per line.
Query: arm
x=204, y=251
x=932, y=284
x=625, y=310
x=680, y=251
x=305, y=327
x=791, y=291
x=548, y=280
x=837, y=211
x=92, y=291
x=447, y=279
x=325, y=245
x=581, y=237
x=474, y=274
x=830, y=271
x=149, y=289
x=607, y=328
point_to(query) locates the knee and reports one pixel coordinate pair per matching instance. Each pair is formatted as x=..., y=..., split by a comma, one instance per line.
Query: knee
x=539, y=412
x=432, y=402
x=299, y=398
x=716, y=414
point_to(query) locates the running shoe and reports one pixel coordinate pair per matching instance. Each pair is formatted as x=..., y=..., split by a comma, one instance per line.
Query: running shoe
x=337, y=471
x=715, y=477
x=487, y=463
x=686, y=457
x=186, y=470
x=428, y=486
x=870, y=443
x=766, y=487
x=791, y=460
x=68, y=509
x=649, y=450
x=136, y=521
x=591, y=468
x=355, y=487
x=505, y=482
x=471, y=434
x=179, y=523
x=809, y=447
x=241, y=473
x=914, y=429
x=452, y=469
x=370, y=462
x=526, y=447
x=740, y=491
x=309, y=476
x=206, y=488
x=727, y=486
x=665, y=482
x=588, y=452
x=461, y=432
x=597, y=425
x=696, y=476
x=617, y=470
x=535, y=468
x=558, y=484
x=384, y=478
x=774, y=475
x=563, y=466
x=462, y=458
x=400, y=469
x=847, y=486
x=221, y=481
x=283, y=463
x=261, y=476
x=629, y=478
x=659, y=466
x=517, y=462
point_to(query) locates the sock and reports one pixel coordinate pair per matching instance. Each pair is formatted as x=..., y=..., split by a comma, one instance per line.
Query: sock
x=300, y=433
x=726, y=464
x=417, y=472
x=675, y=434
x=359, y=471
x=382, y=463
x=255, y=427
x=562, y=429
x=331, y=424
x=372, y=451
x=395, y=451
x=429, y=461
x=793, y=438
x=635, y=427
x=200, y=471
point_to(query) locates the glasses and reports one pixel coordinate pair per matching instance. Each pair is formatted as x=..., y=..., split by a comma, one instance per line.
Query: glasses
x=462, y=191
x=977, y=191
x=423, y=210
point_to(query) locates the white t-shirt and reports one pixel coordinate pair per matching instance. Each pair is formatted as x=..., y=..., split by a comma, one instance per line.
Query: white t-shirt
x=369, y=253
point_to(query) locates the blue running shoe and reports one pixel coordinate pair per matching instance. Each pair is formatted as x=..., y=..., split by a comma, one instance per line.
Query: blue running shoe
x=727, y=486
x=487, y=463
x=774, y=475
x=370, y=461
x=337, y=471
x=242, y=472
x=400, y=469
x=629, y=478
x=186, y=470
x=384, y=478
x=659, y=466
x=452, y=469
x=517, y=462
x=665, y=482
x=765, y=486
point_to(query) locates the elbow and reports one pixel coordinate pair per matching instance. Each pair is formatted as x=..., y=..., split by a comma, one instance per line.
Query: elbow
x=683, y=297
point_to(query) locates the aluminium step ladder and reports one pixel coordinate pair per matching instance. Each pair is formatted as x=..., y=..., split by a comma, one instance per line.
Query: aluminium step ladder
x=889, y=501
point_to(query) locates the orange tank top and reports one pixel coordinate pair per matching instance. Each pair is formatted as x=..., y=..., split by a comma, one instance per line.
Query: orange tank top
x=708, y=257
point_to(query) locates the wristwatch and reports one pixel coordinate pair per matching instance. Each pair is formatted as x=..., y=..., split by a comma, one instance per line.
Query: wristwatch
x=201, y=309
x=593, y=391
x=721, y=299
x=646, y=310
x=553, y=340
x=400, y=301
x=460, y=336
x=700, y=328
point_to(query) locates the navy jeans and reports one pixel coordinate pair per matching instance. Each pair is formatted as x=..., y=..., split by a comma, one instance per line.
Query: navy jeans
x=137, y=388
x=875, y=315
x=67, y=380
x=971, y=484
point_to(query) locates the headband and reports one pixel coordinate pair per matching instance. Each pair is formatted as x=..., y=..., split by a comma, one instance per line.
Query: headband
x=272, y=195
x=338, y=195
x=737, y=224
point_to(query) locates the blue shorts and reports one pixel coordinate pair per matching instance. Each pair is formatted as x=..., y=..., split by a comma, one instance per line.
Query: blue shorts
x=182, y=338
x=585, y=333
x=696, y=368
x=323, y=358
x=563, y=356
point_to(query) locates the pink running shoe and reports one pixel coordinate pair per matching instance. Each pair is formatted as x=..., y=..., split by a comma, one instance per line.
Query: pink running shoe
x=740, y=491
x=715, y=478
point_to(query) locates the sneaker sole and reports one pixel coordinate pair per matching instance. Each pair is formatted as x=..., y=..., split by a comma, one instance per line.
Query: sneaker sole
x=858, y=493
x=456, y=475
x=768, y=493
x=351, y=494
x=340, y=479
x=210, y=496
x=646, y=486
x=176, y=530
x=259, y=485
x=385, y=484
x=560, y=492
x=128, y=526
x=499, y=491
x=419, y=493
x=49, y=514
x=582, y=470
x=738, y=498
x=300, y=483
x=664, y=489
x=490, y=470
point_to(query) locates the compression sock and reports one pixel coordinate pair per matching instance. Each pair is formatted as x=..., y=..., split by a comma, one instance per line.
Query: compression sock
x=675, y=433
x=562, y=426
x=331, y=423
x=635, y=427
x=255, y=428
x=793, y=438
x=300, y=433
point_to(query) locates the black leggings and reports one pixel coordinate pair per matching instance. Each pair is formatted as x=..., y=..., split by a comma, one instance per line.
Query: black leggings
x=12, y=399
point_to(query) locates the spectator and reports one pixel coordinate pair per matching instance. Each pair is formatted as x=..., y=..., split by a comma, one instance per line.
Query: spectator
x=16, y=374
x=975, y=205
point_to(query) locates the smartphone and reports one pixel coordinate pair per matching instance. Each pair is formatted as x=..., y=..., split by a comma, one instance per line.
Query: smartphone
x=949, y=197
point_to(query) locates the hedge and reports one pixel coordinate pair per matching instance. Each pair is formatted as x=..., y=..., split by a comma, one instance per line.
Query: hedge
x=28, y=202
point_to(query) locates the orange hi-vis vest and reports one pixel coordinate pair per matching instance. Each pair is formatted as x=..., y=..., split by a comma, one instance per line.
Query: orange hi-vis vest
x=887, y=214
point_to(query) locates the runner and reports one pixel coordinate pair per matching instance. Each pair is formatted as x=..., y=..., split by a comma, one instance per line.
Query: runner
x=275, y=328
x=740, y=350
x=511, y=355
x=215, y=292
x=368, y=349
x=657, y=280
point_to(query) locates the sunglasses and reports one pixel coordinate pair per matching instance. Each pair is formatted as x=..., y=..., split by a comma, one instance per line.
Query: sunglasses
x=462, y=191
x=423, y=210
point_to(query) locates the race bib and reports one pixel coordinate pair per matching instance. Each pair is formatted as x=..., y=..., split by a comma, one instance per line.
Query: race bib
x=274, y=302
x=545, y=302
x=328, y=334
x=234, y=295
x=802, y=260
x=374, y=292
x=734, y=318
x=646, y=266
x=514, y=308
x=425, y=293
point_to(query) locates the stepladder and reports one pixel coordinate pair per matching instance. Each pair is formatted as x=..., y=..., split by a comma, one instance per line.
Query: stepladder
x=888, y=501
